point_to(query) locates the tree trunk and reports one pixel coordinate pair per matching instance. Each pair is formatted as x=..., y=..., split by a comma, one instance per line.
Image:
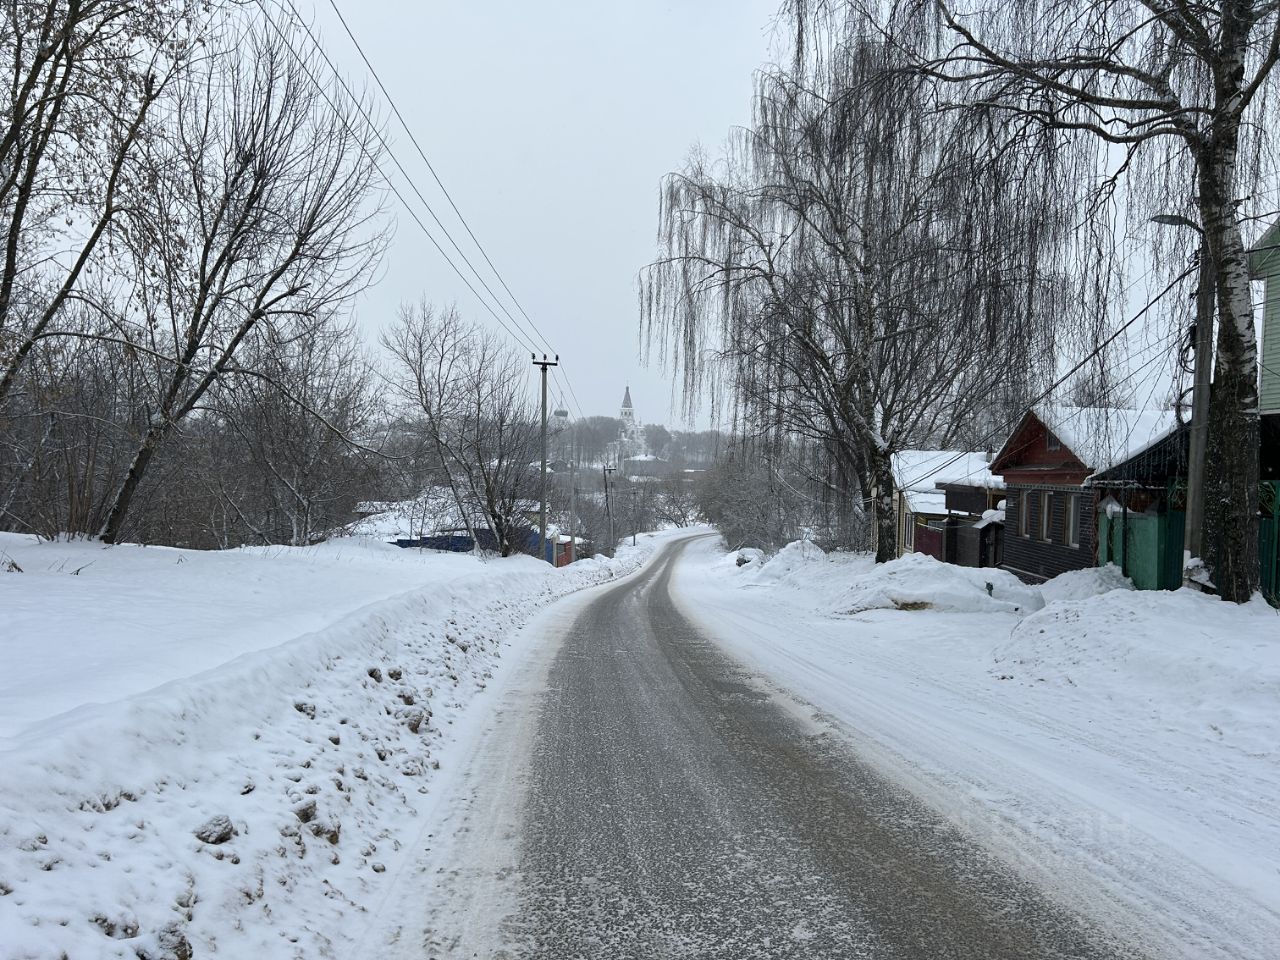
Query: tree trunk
x=885, y=519
x=1230, y=540
x=124, y=497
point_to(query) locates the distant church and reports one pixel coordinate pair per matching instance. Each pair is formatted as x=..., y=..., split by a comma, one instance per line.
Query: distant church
x=630, y=442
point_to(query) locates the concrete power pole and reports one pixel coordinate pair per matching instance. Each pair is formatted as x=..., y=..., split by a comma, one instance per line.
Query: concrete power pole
x=1193, y=536
x=608, y=508
x=542, y=510
x=573, y=511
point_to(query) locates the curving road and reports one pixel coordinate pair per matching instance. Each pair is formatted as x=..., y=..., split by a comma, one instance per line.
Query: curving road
x=673, y=807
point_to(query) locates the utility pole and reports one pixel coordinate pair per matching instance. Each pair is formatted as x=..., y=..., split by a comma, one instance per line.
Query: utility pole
x=1193, y=535
x=542, y=510
x=608, y=508
x=635, y=499
x=1193, y=528
x=573, y=512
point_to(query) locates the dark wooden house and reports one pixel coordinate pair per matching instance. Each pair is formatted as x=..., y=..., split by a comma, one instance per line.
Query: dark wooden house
x=1050, y=516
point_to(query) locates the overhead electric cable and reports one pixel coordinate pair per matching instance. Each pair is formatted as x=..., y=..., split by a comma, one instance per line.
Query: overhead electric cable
x=1066, y=376
x=414, y=140
x=538, y=334
x=520, y=337
x=517, y=336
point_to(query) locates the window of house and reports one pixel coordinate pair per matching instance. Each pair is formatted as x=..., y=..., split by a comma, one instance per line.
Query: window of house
x=1024, y=514
x=1073, y=520
x=1054, y=443
x=909, y=534
x=1046, y=516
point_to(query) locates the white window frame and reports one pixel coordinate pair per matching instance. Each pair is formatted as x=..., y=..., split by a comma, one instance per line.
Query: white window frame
x=1024, y=511
x=1052, y=442
x=1046, y=516
x=1073, y=520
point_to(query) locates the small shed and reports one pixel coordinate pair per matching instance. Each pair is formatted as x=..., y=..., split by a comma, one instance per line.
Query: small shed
x=933, y=487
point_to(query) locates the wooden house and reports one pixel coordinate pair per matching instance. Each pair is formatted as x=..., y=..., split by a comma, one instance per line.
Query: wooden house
x=1050, y=519
x=1264, y=265
x=1141, y=511
x=939, y=492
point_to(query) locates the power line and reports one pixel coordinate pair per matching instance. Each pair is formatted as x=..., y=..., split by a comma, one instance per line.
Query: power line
x=572, y=393
x=1062, y=379
x=414, y=140
x=519, y=338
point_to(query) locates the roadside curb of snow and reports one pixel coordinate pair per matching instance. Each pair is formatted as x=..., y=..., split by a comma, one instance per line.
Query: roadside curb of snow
x=256, y=809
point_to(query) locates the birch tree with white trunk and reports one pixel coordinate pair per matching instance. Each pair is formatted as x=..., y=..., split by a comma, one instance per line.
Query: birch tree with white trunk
x=1183, y=88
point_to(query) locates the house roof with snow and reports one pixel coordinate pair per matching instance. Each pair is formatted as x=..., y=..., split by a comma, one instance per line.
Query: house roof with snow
x=1089, y=439
x=1105, y=436
x=918, y=474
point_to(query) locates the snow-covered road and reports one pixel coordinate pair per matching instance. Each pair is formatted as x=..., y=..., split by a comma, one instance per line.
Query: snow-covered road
x=640, y=795
x=1147, y=802
x=808, y=756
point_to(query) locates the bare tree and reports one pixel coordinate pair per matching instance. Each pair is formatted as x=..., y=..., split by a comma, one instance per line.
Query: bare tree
x=297, y=413
x=84, y=77
x=1185, y=93
x=259, y=216
x=677, y=503
x=863, y=271
x=469, y=389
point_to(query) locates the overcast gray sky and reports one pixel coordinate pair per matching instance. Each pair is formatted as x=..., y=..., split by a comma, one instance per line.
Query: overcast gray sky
x=551, y=124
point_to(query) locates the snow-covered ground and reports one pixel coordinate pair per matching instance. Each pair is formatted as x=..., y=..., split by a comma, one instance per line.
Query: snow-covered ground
x=231, y=752
x=1120, y=748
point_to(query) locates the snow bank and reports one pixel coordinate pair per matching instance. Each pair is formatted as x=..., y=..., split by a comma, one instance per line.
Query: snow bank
x=1189, y=662
x=1083, y=584
x=919, y=582
x=1119, y=748
x=227, y=752
x=912, y=582
x=798, y=567
x=795, y=557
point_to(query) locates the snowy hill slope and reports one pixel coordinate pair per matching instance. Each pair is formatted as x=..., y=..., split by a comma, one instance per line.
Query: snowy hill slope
x=224, y=753
x=1118, y=747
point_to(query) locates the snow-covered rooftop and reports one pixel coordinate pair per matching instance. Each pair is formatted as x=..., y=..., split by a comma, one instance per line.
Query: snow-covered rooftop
x=1105, y=436
x=923, y=470
x=920, y=501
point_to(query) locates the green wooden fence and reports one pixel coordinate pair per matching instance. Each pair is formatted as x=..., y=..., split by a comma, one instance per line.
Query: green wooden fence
x=1269, y=540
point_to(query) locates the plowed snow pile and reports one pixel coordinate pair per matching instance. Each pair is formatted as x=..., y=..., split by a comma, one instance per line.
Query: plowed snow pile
x=226, y=753
x=1120, y=748
x=1189, y=663
x=918, y=582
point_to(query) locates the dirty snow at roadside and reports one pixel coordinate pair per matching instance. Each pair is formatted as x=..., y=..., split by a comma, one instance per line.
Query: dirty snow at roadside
x=1120, y=748
x=227, y=752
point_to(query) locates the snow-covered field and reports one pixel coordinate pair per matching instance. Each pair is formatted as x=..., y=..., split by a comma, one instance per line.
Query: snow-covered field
x=1120, y=748
x=229, y=752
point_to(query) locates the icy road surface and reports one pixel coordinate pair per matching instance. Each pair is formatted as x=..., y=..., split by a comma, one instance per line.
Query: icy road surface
x=644, y=797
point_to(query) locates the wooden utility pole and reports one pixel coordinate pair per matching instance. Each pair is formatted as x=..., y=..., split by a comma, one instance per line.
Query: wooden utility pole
x=635, y=499
x=542, y=509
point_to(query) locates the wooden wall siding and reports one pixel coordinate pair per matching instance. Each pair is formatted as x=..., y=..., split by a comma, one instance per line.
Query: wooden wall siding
x=1269, y=395
x=1034, y=559
x=972, y=500
x=1027, y=459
